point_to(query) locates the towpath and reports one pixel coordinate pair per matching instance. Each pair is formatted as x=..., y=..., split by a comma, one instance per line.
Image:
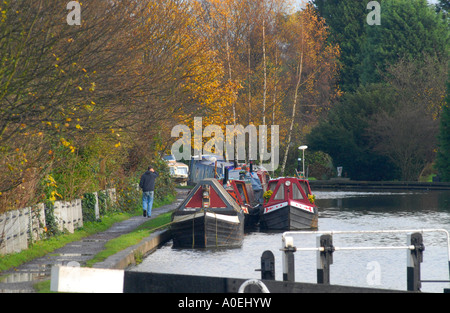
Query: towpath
x=22, y=278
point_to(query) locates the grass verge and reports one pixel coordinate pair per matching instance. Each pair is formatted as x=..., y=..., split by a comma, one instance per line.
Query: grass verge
x=121, y=243
x=116, y=245
x=43, y=247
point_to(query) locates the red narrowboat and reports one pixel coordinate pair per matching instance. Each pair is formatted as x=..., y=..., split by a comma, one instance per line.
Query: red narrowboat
x=290, y=206
x=242, y=193
x=208, y=218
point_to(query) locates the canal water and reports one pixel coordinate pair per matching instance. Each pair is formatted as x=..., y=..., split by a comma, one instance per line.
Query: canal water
x=339, y=211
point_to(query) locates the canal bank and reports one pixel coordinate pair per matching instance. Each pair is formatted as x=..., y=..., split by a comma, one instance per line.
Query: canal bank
x=22, y=278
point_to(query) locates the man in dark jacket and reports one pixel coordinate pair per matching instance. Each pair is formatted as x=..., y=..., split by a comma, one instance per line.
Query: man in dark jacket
x=147, y=185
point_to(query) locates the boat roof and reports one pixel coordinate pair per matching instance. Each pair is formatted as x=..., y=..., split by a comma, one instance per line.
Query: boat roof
x=217, y=188
x=251, y=177
x=288, y=178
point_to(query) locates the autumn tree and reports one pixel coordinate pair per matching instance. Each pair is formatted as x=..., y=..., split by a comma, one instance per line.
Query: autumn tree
x=116, y=81
x=311, y=68
x=48, y=79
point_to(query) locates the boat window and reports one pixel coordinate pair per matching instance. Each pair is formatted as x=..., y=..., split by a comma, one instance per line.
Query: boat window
x=305, y=188
x=182, y=171
x=241, y=191
x=280, y=193
x=272, y=185
x=296, y=193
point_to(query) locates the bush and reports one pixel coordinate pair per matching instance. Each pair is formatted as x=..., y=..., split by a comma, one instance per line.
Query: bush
x=88, y=207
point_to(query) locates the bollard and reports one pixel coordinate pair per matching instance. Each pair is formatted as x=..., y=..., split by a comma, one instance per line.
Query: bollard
x=324, y=258
x=414, y=258
x=268, y=266
x=288, y=260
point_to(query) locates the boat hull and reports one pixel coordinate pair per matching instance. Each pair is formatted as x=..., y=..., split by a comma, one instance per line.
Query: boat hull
x=288, y=216
x=207, y=230
x=252, y=216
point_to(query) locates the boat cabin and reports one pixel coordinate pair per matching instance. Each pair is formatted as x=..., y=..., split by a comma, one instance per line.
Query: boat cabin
x=290, y=206
x=289, y=188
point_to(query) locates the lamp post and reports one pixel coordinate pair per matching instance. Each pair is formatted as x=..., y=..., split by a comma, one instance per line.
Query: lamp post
x=303, y=148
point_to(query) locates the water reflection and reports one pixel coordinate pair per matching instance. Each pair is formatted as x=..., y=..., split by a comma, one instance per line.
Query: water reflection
x=386, y=202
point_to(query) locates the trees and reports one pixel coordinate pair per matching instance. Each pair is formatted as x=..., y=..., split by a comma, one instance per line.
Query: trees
x=89, y=100
x=311, y=67
x=406, y=58
x=406, y=133
x=260, y=45
x=406, y=138
x=387, y=127
x=344, y=134
x=346, y=21
x=409, y=29
x=443, y=6
x=50, y=86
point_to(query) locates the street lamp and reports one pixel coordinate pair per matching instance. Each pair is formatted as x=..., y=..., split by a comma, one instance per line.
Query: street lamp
x=303, y=148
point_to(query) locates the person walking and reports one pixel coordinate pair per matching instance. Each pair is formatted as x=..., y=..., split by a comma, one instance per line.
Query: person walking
x=147, y=185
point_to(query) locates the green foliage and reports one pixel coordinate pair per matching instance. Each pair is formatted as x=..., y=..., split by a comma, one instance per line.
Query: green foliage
x=88, y=204
x=385, y=75
x=409, y=29
x=129, y=197
x=344, y=134
x=164, y=183
x=443, y=158
x=346, y=20
x=50, y=220
x=92, y=167
x=320, y=165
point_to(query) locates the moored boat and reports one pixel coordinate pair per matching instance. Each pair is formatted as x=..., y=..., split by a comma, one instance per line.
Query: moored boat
x=243, y=194
x=208, y=218
x=290, y=206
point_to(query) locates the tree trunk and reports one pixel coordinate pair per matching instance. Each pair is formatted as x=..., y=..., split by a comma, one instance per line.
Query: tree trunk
x=265, y=80
x=294, y=110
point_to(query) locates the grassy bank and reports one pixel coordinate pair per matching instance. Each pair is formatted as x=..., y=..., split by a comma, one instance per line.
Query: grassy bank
x=116, y=245
x=43, y=247
x=121, y=243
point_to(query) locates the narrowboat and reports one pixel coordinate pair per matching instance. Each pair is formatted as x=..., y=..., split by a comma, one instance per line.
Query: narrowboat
x=243, y=195
x=208, y=218
x=290, y=206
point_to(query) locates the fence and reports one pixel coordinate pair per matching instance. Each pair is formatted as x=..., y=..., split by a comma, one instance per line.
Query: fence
x=19, y=228
x=325, y=251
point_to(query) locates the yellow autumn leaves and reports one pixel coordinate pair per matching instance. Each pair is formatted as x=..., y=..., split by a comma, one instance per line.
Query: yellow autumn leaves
x=51, y=185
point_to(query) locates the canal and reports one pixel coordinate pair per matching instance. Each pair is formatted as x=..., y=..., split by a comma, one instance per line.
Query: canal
x=344, y=211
